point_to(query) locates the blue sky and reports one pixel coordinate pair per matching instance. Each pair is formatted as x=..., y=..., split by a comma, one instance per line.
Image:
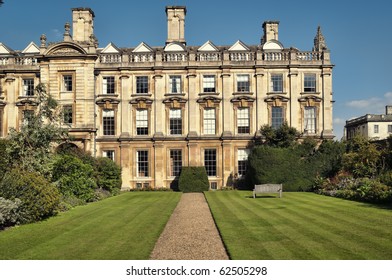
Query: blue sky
x=358, y=33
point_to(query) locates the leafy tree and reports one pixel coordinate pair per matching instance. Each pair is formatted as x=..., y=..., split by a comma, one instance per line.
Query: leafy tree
x=30, y=147
x=362, y=158
x=284, y=136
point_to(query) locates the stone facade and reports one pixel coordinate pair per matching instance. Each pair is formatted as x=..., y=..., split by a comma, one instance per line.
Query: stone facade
x=370, y=126
x=153, y=110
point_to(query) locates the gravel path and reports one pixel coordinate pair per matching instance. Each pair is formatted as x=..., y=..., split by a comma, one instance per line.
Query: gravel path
x=190, y=233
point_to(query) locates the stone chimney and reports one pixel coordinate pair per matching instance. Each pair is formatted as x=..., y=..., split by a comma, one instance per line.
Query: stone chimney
x=175, y=24
x=83, y=25
x=271, y=31
x=388, y=110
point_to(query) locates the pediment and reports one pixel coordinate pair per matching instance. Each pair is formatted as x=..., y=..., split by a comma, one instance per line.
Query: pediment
x=32, y=48
x=175, y=47
x=239, y=46
x=5, y=50
x=65, y=49
x=273, y=45
x=208, y=47
x=111, y=48
x=143, y=48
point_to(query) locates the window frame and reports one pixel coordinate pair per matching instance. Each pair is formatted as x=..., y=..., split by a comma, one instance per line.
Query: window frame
x=109, y=85
x=210, y=162
x=243, y=86
x=243, y=119
x=209, y=122
x=276, y=83
x=277, y=119
x=242, y=161
x=142, y=85
x=313, y=119
x=142, y=122
x=175, y=84
x=175, y=123
x=110, y=154
x=28, y=87
x=67, y=86
x=309, y=85
x=175, y=156
x=142, y=164
x=376, y=129
x=209, y=85
x=108, y=123
x=68, y=115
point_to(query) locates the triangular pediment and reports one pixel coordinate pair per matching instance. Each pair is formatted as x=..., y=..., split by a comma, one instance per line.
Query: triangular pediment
x=111, y=48
x=5, y=50
x=239, y=46
x=31, y=49
x=208, y=47
x=143, y=48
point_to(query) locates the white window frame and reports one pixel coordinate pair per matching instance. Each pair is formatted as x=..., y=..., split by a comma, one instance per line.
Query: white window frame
x=276, y=82
x=310, y=119
x=142, y=121
x=209, y=121
x=106, y=82
x=243, y=83
x=110, y=154
x=209, y=83
x=175, y=84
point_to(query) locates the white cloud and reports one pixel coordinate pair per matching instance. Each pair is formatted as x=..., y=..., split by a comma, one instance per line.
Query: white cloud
x=339, y=121
x=363, y=103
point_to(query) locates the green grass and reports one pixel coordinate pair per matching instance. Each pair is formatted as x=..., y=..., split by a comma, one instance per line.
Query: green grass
x=122, y=227
x=302, y=226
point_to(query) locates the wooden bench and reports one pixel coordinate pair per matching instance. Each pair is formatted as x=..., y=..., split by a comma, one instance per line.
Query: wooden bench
x=268, y=188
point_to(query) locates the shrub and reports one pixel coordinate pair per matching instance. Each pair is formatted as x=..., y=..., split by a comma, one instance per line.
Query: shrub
x=40, y=199
x=193, y=179
x=4, y=158
x=279, y=166
x=74, y=178
x=10, y=213
x=108, y=175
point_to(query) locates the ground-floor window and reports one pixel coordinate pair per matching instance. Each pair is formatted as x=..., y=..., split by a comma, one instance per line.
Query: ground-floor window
x=142, y=164
x=109, y=154
x=175, y=162
x=242, y=161
x=210, y=161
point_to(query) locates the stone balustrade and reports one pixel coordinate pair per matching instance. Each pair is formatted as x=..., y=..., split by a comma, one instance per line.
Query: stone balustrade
x=267, y=56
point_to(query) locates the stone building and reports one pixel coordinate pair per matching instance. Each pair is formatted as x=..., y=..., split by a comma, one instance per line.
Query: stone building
x=370, y=126
x=156, y=109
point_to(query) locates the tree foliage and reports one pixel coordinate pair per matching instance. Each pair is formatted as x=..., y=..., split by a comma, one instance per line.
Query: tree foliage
x=31, y=146
x=40, y=199
x=362, y=158
x=284, y=136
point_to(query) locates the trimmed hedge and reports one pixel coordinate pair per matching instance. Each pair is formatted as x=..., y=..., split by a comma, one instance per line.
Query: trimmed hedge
x=193, y=179
x=40, y=199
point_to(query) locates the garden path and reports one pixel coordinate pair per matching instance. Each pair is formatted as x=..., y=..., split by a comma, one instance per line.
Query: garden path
x=190, y=233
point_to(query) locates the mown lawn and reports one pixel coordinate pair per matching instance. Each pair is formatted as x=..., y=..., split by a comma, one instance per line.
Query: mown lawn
x=122, y=227
x=301, y=226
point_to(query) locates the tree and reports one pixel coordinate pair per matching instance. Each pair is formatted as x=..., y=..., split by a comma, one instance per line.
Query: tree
x=362, y=158
x=284, y=136
x=30, y=147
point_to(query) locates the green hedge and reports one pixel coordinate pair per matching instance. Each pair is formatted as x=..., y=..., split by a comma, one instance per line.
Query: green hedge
x=193, y=179
x=40, y=199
